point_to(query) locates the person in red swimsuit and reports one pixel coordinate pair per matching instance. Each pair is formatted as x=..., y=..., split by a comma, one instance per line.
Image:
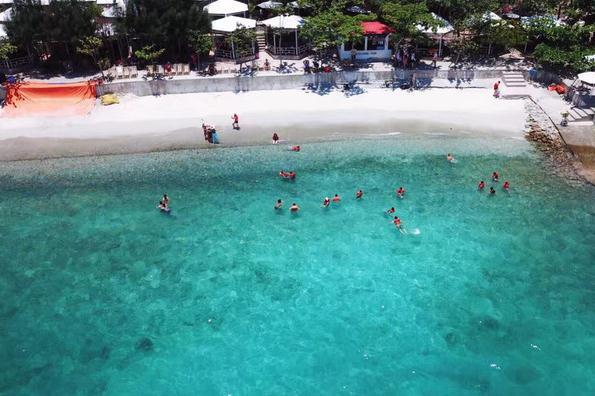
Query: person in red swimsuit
x=397, y=222
x=391, y=211
x=495, y=176
x=481, y=185
x=336, y=198
x=326, y=202
x=401, y=192
x=359, y=194
x=506, y=185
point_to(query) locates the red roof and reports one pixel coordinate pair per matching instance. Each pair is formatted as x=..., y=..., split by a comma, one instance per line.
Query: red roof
x=376, y=28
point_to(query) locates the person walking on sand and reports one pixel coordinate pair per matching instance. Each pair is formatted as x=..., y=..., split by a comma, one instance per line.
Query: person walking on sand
x=275, y=138
x=236, y=121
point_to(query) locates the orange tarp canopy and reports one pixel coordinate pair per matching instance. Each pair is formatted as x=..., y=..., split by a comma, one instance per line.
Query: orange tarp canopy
x=45, y=99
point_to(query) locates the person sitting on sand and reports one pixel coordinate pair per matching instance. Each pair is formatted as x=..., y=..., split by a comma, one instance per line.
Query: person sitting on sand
x=495, y=176
x=506, y=186
x=336, y=198
x=391, y=210
x=401, y=193
x=275, y=138
x=294, y=207
x=481, y=185
x=279, y=204
x=326, y=202
x=359, y=194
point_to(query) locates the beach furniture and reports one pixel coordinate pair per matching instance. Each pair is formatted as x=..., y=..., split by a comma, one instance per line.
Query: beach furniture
x=119, y=72
x=133, y=71
x=126, y=72
x=159, y=69
x=150, y=70
x=185, y=68
x=111, y=72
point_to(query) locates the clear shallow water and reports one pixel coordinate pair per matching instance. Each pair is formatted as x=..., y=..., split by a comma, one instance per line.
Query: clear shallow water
x=494, y=296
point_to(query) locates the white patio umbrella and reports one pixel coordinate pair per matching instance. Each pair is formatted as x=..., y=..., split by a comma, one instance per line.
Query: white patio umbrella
x=225, y=7
x=490, y=16
x=270, y=5
x=6, y=15
x=445, y=28
x=587, y=78
x=289, y=22
x=232, y=23
x=2, y=32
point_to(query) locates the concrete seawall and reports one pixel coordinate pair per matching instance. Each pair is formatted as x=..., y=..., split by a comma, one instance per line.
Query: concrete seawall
x=282, y=81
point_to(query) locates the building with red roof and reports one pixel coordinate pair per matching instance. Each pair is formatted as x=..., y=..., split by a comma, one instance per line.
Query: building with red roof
x=373, y=46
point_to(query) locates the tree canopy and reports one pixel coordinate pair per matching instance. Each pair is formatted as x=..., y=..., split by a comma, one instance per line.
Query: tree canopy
x=167, y=24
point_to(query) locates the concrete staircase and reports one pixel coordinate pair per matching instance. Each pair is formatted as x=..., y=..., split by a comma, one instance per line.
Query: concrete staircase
x=261, y=40
x=514, y=79
x=577, y=114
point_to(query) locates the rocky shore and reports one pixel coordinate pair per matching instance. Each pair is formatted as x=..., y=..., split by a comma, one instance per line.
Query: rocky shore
x=540, y=130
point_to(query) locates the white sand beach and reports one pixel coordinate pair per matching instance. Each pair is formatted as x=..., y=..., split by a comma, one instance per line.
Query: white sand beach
x=142, y=124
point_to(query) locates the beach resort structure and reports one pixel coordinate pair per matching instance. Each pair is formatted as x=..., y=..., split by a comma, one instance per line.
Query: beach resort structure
x=373, y=46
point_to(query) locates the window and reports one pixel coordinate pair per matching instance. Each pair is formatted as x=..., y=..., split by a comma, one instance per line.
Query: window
x=376, y=42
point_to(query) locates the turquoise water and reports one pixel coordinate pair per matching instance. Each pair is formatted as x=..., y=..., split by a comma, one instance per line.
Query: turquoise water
x=100, y=294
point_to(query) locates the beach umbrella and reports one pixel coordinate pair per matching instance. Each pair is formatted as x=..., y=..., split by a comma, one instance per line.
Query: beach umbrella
x=357, y=10
x=2, y=32
x=232, y=23
x=587, y=78
x=6, y=15
x=225, y=7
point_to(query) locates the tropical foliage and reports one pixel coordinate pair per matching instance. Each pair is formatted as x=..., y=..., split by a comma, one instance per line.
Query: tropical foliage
x=66, y=31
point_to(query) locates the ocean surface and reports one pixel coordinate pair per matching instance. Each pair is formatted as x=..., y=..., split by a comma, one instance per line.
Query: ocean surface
x=101, y=294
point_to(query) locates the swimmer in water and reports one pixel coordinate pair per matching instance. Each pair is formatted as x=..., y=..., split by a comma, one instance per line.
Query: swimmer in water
x=294, y=148
x=326, y=202
x=401, y=192
x=390, y=211
x=495, y=176
x=481, y=185
x=294, y=207
x=279, y=204
x=449, y=157
x=292, y=175
x=359, y=194
x=506, y=186
x=492, y=191
x=397, y=223
x=165, y=200
x=336, y=198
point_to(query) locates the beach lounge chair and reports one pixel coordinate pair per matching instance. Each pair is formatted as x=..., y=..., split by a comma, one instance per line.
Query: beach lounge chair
x=159, y=69
x=110, y=73
x=126, y=72
x=150, y=70
x=119, y=71
x=133, y=71
x=185, y=68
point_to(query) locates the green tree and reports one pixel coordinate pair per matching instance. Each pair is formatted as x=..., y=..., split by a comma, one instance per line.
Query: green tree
x=201, y=43
x=6, y=48
x=404, y=18
x=329, y=29
x=60, y=25
x=242, y=42
x=166, y=24
x=148, y=54
x=90, y=46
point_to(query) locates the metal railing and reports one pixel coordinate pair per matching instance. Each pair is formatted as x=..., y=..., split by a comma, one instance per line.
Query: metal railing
x=289, y=50
x=15, y=63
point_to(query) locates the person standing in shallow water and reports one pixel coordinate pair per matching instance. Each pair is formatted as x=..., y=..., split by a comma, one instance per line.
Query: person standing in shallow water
x=275, y=138
x=279, y=204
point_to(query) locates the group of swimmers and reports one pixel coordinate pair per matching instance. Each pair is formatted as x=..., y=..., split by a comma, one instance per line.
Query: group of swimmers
x=495, y=179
